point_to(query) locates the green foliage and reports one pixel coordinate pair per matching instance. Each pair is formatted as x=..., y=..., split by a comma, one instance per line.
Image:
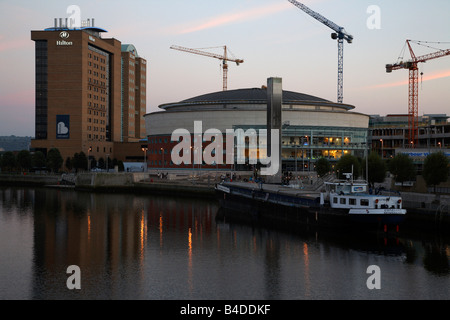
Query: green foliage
x=323, y=166
x=8, y=161
x=121, y=166
x=54, y=160
x=101, y=163
x=435, y=169
x=377, y=168
x=402, y=167
x=69, y=164
x=345, y=164
x=38, y=160
x=80, y=161
x=24, y=160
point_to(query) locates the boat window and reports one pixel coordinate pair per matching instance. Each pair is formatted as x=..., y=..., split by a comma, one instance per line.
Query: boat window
x=352, y=201
x=335, y=200
x=364, y=202
x=343, y=200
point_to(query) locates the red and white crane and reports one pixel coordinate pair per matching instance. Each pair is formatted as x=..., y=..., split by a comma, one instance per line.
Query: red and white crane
x=413, y=91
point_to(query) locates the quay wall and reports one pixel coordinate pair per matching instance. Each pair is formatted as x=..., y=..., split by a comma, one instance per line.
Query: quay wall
x=142, y=183
x=31, y=180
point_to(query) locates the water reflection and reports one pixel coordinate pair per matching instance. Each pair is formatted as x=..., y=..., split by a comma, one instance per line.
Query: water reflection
x=107, y=236
x=146, y=247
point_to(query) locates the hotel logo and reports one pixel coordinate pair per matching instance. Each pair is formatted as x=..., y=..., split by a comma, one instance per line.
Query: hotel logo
x=64, y=35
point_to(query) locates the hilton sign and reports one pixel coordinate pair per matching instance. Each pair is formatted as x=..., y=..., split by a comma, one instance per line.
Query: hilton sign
x=64, y=35
x=64, y=43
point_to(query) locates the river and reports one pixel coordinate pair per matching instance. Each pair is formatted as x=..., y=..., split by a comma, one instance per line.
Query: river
x=172, y=248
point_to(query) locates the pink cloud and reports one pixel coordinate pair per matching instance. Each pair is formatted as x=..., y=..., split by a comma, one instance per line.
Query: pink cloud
x=22, y=98
x=433, y=76
x=14, y=43
x=255, y=13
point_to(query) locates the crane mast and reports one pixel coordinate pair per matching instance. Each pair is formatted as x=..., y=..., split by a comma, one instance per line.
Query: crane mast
x=223, y=57
x=413, y=89
x=340, y=35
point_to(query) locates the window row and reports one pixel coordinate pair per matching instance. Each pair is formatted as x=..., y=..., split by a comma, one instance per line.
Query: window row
x=100, y=129
x=94, y=120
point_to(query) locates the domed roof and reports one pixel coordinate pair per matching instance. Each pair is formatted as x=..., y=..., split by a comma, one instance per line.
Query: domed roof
x=251, y=96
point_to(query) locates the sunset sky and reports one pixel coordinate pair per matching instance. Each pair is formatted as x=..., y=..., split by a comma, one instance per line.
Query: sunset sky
x=273, y=37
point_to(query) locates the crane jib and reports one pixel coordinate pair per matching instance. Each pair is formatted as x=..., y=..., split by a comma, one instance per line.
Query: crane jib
x=342, y=34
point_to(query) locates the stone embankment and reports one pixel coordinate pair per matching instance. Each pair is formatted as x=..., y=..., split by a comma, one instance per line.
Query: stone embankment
x=142, y=182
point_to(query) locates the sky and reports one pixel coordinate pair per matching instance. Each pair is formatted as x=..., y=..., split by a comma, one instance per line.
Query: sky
x=273, y=37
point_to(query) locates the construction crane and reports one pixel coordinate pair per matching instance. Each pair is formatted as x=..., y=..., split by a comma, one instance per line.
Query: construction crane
x=413, y=91
x=225, y=58
x=340, y=35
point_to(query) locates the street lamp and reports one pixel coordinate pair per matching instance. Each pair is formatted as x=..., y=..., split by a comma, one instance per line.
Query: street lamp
x=162, y=150
x=381, y=148
x=89, y=159
x=145, y=158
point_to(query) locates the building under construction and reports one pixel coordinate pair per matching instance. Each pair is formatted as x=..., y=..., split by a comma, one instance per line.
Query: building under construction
x=389, y=135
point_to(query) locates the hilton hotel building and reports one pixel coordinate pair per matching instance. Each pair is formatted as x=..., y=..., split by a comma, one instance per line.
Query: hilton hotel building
x=90, y=93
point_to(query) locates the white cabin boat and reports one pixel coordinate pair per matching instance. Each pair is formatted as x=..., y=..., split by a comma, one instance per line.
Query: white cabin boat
x=354, y=199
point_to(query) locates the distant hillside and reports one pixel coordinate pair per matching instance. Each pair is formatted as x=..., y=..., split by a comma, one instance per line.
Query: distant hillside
x=13, y=143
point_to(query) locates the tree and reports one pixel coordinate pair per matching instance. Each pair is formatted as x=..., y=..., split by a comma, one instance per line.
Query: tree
x=83, y=160
x=402, y=167
x=101, y=163
x=38, y=160
x=24, y=160
x=323, y=166
x=80, y=161
x=376, y=167
x=346, y=164
x=435, y=169
x=121, y=166
x=54, y=160
x=69, y=164
x=8, y=161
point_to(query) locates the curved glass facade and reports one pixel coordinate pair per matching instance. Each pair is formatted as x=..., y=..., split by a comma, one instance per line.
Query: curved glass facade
x=308, y=144
x=303, y=146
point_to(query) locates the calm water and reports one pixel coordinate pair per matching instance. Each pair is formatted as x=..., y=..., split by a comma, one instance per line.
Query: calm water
x=146, y=247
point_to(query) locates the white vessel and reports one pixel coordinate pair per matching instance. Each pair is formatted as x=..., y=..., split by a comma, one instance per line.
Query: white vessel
x=362, y=205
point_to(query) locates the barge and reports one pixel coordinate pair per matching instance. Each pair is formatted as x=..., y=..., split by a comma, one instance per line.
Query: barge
x=340, y=205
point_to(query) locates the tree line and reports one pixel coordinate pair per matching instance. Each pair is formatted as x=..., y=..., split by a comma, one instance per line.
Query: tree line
x=25, y=161
x=435, y=168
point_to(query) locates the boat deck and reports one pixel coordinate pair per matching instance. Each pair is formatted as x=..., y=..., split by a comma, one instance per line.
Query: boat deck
x=274, y=188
